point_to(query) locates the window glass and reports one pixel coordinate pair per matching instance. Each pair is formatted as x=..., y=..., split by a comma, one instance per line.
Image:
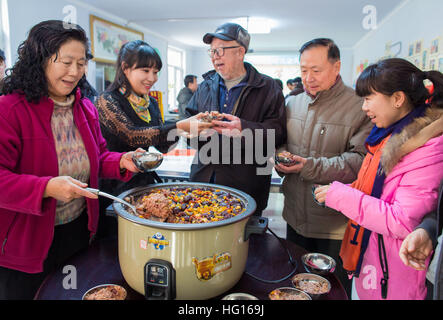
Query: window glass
x=175, y=77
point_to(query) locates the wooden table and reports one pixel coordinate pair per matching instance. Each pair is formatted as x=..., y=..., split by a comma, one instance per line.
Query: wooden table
x=99, y=264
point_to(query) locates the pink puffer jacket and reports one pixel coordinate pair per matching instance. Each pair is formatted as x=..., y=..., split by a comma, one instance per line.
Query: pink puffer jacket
x=410, y=191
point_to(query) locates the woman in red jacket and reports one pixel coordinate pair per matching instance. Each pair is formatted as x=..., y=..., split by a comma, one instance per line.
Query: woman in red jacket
x=51, y=148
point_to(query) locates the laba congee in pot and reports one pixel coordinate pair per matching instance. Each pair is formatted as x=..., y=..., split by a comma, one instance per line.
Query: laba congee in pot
x=207, y=247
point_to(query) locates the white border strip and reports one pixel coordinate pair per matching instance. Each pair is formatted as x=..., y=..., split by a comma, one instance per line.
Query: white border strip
x=6, y=32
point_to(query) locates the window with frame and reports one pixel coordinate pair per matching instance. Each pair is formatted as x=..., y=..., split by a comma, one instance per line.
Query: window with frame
x=104, y=75
x=176, y=62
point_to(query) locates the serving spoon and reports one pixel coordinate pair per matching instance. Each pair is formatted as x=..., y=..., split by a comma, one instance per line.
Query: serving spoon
x=110, y=196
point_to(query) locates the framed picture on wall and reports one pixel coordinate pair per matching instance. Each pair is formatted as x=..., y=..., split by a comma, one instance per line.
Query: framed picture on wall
x=108, y=37
x=417, y=63
x=424, y=60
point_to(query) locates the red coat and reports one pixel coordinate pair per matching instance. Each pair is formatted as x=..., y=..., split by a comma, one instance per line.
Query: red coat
x=28, y=160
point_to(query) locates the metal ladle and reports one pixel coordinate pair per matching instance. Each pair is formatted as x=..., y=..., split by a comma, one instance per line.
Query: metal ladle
x=107, y=195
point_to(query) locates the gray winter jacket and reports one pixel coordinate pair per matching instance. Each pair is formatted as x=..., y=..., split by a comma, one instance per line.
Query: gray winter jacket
x=329, y=131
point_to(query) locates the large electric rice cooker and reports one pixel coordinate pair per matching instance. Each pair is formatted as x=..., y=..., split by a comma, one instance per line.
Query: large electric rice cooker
x=184, y=260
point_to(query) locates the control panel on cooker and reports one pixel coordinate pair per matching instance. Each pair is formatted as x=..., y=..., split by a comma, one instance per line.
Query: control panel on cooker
x=159, y=280
x=158, y=275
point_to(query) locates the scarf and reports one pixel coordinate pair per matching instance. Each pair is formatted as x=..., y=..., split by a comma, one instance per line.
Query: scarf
x=370, y=180
x=139, y=104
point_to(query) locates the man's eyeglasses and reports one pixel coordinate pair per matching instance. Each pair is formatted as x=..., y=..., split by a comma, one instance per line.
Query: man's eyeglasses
x=220, y=51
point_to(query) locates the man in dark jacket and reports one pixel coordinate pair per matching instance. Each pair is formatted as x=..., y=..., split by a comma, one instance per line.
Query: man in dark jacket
x=185, y=94
x=298, y=87
x=254, y=118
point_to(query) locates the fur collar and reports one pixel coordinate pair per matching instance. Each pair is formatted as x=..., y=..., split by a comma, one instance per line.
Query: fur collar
x=412, y=137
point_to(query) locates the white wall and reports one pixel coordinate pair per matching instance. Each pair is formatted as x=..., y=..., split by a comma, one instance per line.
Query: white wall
x=24, y=14
x=200, y=63
x=413, y=20
x=347, y=61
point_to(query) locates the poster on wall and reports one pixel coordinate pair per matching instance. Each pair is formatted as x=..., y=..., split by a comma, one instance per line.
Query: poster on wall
x=434, y=55
x=392, y=50
x=411, y=50
x=108, y=37
x=424, y=60
x=417, y=63
x=432, y=65
x=418, y=47
x=435, y=46
x=425, y=55
x=360, y=67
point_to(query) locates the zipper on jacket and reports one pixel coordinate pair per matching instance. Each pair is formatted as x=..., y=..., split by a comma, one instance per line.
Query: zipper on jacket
x=321, y=138
x=7, y=234
x=322, y=131
x=384, y=267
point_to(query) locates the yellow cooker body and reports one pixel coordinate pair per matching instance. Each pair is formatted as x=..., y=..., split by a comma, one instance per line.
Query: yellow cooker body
x=207, y=261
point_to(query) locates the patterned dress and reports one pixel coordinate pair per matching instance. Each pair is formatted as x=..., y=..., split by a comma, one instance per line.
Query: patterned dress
x=73, y=160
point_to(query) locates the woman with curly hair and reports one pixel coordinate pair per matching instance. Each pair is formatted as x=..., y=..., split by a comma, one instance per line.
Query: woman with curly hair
x=51, y=148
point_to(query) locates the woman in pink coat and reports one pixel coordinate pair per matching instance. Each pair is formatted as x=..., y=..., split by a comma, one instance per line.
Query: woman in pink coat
x=406, y=171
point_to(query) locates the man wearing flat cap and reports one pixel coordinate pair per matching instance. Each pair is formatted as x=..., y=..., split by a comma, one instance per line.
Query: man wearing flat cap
x=252, y=104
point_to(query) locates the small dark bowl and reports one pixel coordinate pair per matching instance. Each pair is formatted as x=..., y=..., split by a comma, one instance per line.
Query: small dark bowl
x=147, y=161
x=297, y=283
x=318, y=263
x=280, y=158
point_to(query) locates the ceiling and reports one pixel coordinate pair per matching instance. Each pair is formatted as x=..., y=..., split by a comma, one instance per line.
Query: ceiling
x=294, y=21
